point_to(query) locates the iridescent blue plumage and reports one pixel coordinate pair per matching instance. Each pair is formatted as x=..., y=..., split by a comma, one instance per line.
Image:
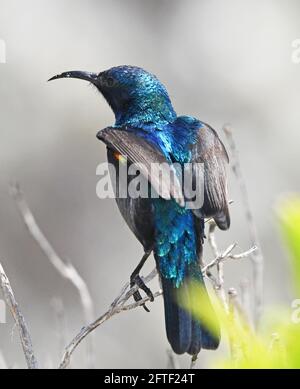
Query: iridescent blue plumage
x=152, y=114
x=147, y=100
x=147, y=130
x=175, y=229
x=175, y=239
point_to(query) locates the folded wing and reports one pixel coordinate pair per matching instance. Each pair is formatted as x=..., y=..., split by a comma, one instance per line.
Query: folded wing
x=209, y=154
x=148, y=158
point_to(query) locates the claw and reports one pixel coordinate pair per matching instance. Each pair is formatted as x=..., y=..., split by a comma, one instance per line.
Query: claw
x=137, y=297
x=137, y=280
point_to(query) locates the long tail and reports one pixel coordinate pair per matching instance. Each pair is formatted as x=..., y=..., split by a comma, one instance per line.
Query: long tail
x=184, y=332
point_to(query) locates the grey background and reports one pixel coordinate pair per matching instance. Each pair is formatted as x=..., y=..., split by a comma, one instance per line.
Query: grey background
x=221, y=61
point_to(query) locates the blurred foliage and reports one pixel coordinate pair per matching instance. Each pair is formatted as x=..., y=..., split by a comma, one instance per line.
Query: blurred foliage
x=289, y=216
x=277, y=343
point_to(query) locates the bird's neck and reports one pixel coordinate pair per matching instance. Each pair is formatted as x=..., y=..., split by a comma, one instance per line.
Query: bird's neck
x=157, y=110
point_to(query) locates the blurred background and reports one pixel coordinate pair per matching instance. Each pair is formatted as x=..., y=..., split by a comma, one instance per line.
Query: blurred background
x=221, y=62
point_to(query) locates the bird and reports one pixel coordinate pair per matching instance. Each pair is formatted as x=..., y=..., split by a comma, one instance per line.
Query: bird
x=148, y=132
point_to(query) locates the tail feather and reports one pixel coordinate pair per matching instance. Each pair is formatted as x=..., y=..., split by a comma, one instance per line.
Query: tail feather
x=185, y=333
x=196, y=339
x=178, y=325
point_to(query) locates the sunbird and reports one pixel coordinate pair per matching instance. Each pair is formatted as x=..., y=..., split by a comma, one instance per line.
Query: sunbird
x=148, y=132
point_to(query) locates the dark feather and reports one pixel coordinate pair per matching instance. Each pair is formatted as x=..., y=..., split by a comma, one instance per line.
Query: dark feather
x=210, y=153
x=149, y=159
x=185, y=333
x=137, y=212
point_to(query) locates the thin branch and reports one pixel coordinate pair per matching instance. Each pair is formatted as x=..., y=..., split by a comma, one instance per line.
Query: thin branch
x=239, y=308
x=211, y=238
x=218, y=283
x=235, y=348
x=118, y=305
x=65, y=269
x=257, y=256
x=19, y=320
x=246, y=300
x=61, y=322
x=226, y=255
x=221, y=288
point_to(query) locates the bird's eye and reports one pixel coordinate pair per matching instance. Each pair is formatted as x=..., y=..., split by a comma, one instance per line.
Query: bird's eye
x=110, y=81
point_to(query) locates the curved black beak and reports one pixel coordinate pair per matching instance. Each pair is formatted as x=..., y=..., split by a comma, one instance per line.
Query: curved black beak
x=87, y=76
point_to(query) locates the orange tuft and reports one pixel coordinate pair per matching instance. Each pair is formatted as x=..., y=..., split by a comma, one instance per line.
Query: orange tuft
x=119, y=157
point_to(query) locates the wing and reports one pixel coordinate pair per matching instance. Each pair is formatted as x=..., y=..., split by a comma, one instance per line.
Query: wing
x=151, y=162
x=137, y=212
x=211, y=155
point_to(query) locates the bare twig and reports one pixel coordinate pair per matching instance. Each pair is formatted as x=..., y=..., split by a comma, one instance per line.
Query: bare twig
x=65, y=269
x=211, y=238
x=246, y=299
x=116, y=307
x=221, y=288
x=61, y=323
x=119, y=303
x=239, y=308
x=233, y=342
x=218, y=283
x=226, y=255
x=257, y=256
x=19, y=320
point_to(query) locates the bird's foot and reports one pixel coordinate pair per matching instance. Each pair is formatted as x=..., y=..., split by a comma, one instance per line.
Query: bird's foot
x=135, y=279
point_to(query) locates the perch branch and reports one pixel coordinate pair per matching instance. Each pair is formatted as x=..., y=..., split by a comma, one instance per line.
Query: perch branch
x=65, y=269
x=118, y=305
x=19, y=320
x=256, y=256
x=220, y=258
